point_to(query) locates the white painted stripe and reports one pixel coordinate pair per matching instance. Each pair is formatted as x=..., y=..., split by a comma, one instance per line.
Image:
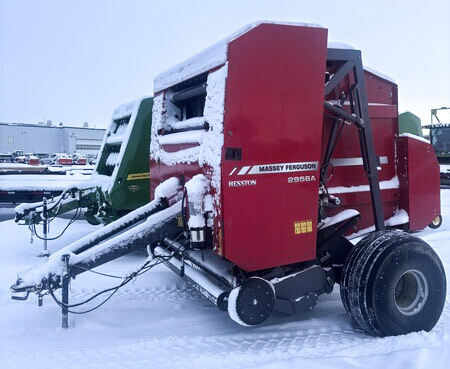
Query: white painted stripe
x=384, y=185
x=243, y=170
x=232, y=171
x=347, y=162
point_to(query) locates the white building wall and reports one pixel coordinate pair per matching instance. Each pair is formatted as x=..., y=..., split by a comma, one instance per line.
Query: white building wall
x=48, y=140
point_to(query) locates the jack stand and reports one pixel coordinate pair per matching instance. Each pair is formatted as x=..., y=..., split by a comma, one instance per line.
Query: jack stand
x=40, y=295
x=45, y=252
x=65, y=291
x=30, y=227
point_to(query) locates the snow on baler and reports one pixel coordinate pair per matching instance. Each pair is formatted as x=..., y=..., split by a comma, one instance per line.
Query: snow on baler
x=269, y=150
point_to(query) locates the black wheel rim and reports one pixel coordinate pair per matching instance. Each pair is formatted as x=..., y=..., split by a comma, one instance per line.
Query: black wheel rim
x=255, y=301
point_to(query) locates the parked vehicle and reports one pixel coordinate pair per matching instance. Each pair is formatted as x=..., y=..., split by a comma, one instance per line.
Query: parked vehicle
x=6, y=158
x=79, y=159
x=21, y=159
x=33, y=160
x=61, y=159
x=440, y=140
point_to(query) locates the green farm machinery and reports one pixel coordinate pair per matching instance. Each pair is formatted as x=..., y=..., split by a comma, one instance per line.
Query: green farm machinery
x=409, y=123
x=440, y=140
x=120, y=181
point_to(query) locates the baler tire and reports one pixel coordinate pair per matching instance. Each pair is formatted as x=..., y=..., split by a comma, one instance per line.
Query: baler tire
x=436, y=223
x=393, y=283
x=349, y=262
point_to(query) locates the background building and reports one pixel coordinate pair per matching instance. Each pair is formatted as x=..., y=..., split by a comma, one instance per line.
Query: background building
x=47, y=139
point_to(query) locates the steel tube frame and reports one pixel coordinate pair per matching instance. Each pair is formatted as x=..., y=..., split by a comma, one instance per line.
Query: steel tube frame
x=65, y=292
x=360, y=117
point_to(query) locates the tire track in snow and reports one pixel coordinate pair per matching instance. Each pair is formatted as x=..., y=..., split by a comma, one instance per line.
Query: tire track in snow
x=242, y=347
x=158, y=293
x=248, y=349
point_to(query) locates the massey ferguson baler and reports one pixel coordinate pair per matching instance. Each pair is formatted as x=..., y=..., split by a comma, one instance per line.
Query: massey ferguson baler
x=269, y=150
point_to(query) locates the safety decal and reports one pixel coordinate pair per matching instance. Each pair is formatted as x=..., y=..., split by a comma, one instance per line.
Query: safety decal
x=132, y=177
x=303, y=226
x=180, y=221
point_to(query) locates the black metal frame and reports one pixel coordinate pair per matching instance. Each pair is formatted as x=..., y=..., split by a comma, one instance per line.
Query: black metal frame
x=359, y=116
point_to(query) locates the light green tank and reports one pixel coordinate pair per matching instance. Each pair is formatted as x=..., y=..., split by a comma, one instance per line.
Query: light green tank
x=409, y=123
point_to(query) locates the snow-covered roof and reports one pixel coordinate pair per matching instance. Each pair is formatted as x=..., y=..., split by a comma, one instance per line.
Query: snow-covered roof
x=379, y=74
x=209, y=58
x=128, y=108
x=437, y=125
x=340, y=45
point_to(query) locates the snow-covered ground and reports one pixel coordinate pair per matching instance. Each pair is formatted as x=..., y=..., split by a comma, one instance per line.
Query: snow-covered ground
x=160, y=322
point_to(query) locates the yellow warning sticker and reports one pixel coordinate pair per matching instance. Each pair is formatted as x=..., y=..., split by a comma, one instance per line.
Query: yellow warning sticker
x=180, y=221
x=132, y=177
x=303, y=226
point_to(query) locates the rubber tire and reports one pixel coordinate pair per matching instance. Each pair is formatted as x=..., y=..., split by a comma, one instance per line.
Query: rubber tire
x=371, y=273
x=436, y=226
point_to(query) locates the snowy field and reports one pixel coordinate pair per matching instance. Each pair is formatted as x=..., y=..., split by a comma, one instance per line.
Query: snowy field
x=159, y=322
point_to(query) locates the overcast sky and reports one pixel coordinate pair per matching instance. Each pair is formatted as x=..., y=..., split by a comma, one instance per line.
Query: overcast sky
x=75, y=61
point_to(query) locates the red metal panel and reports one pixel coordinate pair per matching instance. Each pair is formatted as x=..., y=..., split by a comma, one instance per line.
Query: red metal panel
x=273, y=111
x=382, y=98
x=419, y=182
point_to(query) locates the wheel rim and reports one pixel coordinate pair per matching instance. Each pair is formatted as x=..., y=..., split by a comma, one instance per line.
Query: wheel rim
x=411, y=292
x=255, y=301
x=436, y=220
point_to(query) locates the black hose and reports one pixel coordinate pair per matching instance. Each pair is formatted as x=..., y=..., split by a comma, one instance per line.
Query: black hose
x=183, y=210
x=145, y=268
x=74, y=218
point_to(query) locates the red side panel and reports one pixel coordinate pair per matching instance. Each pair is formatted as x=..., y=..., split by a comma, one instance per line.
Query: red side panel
x=348, y=180
x=418, y=171
x=273, y=113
